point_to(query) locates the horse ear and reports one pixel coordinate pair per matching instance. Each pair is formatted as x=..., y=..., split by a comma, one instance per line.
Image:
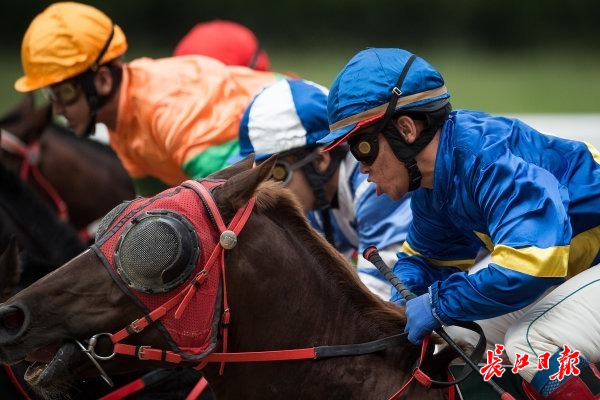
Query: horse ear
x=36, y=122
x=235, y=169
x=41, y=118
x=239, y=188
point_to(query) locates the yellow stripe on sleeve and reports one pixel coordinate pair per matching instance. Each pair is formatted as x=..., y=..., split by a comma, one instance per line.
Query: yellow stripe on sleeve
x=535, y=261
x=462, y=264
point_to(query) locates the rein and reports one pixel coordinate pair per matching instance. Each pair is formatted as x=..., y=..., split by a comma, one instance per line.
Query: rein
x=31, y=156
x=228, y=240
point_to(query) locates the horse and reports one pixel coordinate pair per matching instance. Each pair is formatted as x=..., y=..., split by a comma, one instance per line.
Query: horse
x=81, y=178
x=34, y=242
x=43, y=240
x=244, y=291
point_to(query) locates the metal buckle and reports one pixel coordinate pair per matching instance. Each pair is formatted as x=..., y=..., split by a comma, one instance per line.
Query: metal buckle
x=134, y=327
x=140, y=352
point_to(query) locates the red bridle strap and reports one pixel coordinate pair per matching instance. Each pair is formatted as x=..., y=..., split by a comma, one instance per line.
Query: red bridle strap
x=418, y=374
x=237, y=223
x=15, y=382
x=182, y=298
x=31, y=160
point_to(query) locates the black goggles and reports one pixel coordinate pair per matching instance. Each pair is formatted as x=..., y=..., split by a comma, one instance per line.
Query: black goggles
x=365, y=147
x=284, y=171
x=64, y=93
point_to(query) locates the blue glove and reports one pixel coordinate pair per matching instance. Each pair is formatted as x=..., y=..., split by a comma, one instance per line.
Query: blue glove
x=419, y=318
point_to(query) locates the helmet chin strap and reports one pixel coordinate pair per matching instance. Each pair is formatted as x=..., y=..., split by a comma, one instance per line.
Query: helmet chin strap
x=91, y=95
x=406, y=153
x=317, y=181
x=94, y=100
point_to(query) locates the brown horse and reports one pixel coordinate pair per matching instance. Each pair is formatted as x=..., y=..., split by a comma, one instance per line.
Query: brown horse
x=34, y=242
x=81, y=178
x=282, y=286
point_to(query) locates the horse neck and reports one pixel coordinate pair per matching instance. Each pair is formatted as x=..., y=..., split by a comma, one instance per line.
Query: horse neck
x=308, y=284
x=288, y=289
x=99, y=169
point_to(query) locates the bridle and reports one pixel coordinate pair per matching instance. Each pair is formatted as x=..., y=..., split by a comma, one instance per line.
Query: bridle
x=227, y=240
x=31, y=155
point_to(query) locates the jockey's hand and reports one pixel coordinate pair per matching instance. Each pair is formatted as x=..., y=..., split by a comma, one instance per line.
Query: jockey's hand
x=419, y=318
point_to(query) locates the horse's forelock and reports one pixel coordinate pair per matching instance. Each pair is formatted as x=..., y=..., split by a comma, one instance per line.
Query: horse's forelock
x=273, y=199
x=270, y=194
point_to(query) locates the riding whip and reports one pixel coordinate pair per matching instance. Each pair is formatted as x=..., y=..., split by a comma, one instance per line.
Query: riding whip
x=372, y=254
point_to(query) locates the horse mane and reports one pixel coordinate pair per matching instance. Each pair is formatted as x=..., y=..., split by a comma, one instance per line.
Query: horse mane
x=384, y=317
x=280, y=203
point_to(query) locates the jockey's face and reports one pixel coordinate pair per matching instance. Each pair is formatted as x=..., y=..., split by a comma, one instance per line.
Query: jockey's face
x=69, y=100
x=387, y=172
x=74, y=107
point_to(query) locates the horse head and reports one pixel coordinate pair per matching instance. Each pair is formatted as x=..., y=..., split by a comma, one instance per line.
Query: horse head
x=25, y=120
x=81, y=178
x=201, y=273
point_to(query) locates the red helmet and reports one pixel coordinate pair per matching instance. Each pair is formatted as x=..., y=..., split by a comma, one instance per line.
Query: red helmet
x=229, y=42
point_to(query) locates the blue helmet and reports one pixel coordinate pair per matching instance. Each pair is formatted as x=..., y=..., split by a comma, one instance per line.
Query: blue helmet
x=287, y=115
x=362, y=91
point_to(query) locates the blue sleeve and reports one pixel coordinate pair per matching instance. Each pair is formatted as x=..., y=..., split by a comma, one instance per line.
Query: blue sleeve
x=524, y=209
x=435, y=249
x=417, y=274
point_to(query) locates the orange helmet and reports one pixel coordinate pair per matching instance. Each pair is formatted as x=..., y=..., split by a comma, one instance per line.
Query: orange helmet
x=65, y=40
x=227, y=41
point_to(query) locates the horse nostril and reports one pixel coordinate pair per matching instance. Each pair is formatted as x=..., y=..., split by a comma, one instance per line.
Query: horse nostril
x=13, y=319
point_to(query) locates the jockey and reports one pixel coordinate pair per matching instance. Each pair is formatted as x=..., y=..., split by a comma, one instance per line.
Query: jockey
x=169, y=119
x=288, y=118
x=532, y=200
x=227, y=41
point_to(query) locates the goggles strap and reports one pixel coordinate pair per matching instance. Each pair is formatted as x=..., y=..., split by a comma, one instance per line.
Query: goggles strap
x=396, y=93
x=396, y=141
x=317, y=181
x=96, y=63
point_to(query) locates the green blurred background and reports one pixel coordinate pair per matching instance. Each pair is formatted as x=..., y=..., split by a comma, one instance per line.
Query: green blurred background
x=501, y=56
